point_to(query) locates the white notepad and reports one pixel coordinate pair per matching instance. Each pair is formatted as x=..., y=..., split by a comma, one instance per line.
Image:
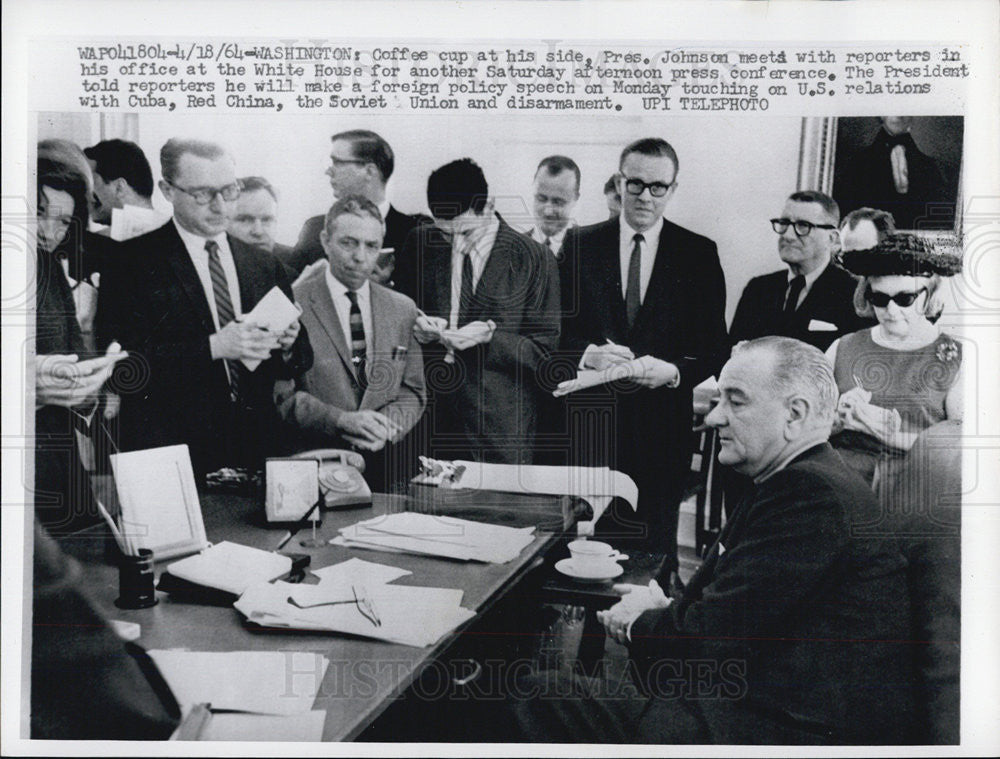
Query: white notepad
x=231, y=567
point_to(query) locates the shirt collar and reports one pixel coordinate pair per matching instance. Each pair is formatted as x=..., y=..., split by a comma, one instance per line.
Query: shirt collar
x=651, y=236
x=338, y=289
x=383, y=208
x=195, y=242
x=539, y=236
x=485, y=236
x=812, y=276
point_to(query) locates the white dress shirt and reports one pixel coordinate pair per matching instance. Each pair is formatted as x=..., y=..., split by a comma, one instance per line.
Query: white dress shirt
x=648, y=248
x=811, y=278
x=338, y=292
x=555, y=241
x=195, y=245
x=481, y=244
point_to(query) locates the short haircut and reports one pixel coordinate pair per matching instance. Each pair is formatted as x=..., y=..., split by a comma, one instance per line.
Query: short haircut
x=932, y=305
x=356, y=205
x=66, y=178
x=455, y=188
x=371, y=147
x=175, y=147
x=121, y=159
x=651, y=146
x=612, y=184
x=557, y=164
x=798, y=369
x=252, y=184
x=828, y=204
x=884, y=223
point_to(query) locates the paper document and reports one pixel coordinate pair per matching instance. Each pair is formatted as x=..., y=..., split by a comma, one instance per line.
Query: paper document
x=275, y=313
x=358, y=570
x=437, y=535
x=592, y=377
x=305, y=727
x=231, y=567
x=260, y=682
x=413, y=616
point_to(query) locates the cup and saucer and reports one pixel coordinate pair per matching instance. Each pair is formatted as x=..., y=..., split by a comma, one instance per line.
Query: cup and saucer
x=592, y=561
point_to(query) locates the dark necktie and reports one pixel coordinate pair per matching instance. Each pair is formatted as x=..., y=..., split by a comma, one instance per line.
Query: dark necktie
x=465, y=297
x=223, y=309
x=633, y=289
x=359, y=349
x=794, y=291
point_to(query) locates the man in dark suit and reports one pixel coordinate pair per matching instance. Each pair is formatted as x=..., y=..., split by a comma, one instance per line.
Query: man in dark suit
x=361, y=163
x=256, y=216
x=794, y=630
x=366, y=387
x=491, y=299
x=641, y=286
x=812, y=299
x=176, y=301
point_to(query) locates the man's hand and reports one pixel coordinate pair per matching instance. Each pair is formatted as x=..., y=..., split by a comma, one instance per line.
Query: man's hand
x=243, y=340
x=287, y=338
x=385, y=265
x=64, y=380
x=655, y=372
x=367, y=429
x=636, y=599
x=428, y=329
x=471, y=334
x=600, y=357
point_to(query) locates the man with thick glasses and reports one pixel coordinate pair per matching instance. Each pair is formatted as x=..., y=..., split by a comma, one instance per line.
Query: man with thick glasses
x=639, y=286
x=177, y=302
x=810, y=299
x=361, y=163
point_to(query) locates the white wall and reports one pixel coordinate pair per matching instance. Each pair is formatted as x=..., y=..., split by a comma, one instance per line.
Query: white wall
x=734, y=175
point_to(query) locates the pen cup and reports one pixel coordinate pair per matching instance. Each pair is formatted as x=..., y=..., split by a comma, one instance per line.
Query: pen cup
x=135, y=581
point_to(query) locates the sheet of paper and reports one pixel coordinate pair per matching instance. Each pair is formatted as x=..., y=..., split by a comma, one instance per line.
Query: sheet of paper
x=438, y=535
x=275, y=312
x=159, y=500
x=260, y=682
x=359, y=570
x=305, y=727
x=592, y=377
x=231, y=567
x=413, y=616
x=131, y=221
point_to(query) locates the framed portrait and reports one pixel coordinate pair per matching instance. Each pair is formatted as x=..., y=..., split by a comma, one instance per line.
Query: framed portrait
x=909, y=166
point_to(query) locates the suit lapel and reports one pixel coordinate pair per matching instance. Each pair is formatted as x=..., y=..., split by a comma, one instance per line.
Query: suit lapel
x=246, y=281
x=179, y=262
x=819, y=289
x=659, y=277
x=381, y=322
x=610, y=274
x=498, y=263
x=318, y=299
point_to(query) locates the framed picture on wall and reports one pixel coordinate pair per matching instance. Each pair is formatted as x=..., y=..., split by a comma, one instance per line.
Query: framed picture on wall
x=909, y=166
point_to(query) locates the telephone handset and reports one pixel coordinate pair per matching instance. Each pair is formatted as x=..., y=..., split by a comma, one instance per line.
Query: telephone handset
x=340, y=480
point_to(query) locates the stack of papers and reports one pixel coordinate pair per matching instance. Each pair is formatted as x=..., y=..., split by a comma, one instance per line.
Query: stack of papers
x=413, y=616
x=260, y=682
x=436, y=535
x=274, y=312
x=231, y=567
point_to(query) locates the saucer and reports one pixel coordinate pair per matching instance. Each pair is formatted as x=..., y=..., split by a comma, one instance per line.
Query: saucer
x=566, y=567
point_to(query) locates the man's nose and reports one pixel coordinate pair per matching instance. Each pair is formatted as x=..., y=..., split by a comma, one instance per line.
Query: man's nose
x=715, y=417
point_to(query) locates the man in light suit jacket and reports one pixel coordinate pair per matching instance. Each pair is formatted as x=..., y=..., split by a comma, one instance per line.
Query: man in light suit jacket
x=366, y=387
x=502, y=289
x=641, y=286
x=812, y=299
x=176, y=304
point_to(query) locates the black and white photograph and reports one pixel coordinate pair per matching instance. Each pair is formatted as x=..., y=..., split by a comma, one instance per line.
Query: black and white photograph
x=520, y=392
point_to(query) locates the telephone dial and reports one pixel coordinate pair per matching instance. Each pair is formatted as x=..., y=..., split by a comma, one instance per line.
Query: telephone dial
x=340, y=477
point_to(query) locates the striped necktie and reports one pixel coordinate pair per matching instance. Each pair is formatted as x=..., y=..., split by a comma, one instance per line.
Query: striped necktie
x=359, y=349
x=224, y=309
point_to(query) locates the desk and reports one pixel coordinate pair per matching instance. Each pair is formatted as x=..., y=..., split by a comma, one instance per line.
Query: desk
x=364, y=676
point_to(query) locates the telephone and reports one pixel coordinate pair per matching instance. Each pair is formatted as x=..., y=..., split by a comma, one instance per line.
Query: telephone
x=340, y=480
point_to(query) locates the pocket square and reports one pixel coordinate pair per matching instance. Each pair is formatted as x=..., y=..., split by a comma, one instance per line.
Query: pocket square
x=817, y=325
x=722, y=549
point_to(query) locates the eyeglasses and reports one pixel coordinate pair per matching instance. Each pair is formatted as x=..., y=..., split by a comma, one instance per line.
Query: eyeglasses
x=802, y=228
x=903, y=300
x=656, y=189
x=204, y=195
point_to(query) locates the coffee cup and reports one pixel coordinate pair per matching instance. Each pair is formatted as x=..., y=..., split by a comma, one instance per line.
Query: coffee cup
x=590, y=555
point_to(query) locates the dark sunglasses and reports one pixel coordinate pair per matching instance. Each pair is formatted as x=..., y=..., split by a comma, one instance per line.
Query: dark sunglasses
x=903, y=300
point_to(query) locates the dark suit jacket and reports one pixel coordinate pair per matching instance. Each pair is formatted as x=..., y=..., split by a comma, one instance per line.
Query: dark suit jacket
x=486, y=403
x=830, y=300
x=805, y=622
x=396, y=377
x=398, y=225
x=681, y=320
x=171, y=389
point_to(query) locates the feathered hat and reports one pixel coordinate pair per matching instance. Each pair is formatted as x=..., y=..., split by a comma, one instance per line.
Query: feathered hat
x=906, y=254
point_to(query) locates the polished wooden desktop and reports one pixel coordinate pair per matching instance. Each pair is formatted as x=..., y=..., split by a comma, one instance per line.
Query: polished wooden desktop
x=364, y=676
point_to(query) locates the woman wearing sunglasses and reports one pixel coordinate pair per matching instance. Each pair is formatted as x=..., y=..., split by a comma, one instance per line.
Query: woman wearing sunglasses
x=904, y=375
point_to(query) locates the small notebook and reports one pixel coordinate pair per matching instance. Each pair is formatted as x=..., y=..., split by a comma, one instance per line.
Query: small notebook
x=231, y=567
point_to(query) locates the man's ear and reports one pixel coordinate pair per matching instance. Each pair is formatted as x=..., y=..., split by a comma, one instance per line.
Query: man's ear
x=167, y=189
x=121, y=189
x=798, y=410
